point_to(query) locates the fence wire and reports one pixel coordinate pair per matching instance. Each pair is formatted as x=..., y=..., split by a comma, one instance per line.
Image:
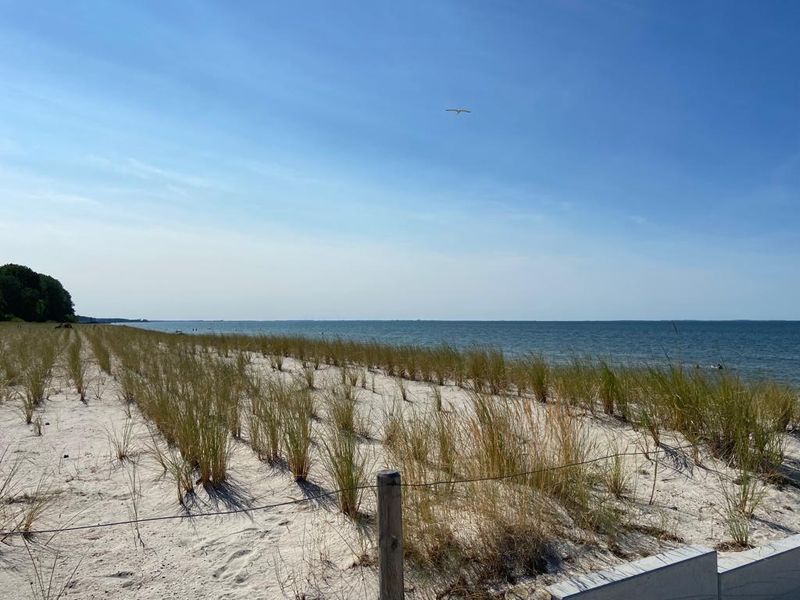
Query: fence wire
x=322, y=495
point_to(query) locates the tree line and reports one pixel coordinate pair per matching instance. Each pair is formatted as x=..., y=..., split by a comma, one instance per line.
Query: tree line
x=30, y=296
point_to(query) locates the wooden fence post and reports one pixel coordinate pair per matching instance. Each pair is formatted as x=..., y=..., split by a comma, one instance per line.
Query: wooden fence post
x=390, y=535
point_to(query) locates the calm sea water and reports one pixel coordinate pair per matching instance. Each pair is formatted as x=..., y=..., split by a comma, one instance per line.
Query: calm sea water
x=756, y=349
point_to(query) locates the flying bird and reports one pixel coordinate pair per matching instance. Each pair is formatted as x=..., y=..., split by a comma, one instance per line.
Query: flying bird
x=458, y=111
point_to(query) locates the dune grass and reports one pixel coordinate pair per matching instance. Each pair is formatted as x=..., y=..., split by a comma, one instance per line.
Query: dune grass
x=37, y=358
x=309, y=376
x=28, y=356
x=99, y=348
x=524, y=415
x=35, y=503
x=266, y=404
x=717, y=410
x=702, y=406
x=539, y=378
x=193, y=401
x=9, y=475
x=495, y=529
x=44, y=585
x=616, y=476
x=121, y=440
x=436, y=395
x=76, y=366
x=297, y=416
x=346, y=465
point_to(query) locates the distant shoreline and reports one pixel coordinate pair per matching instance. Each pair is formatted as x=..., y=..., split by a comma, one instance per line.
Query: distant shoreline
x=447, y=320
x=107, y=320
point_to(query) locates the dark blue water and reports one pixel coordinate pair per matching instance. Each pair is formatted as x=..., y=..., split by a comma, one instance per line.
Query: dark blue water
x=755, y=349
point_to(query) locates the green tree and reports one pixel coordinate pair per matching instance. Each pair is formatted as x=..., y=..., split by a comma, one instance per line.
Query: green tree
x=57, y=301
x=31, y=296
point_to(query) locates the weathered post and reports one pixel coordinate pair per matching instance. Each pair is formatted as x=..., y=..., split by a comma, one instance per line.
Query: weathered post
x=390, y=535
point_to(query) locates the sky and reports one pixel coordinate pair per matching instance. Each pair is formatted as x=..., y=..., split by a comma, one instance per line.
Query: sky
x=280, y=160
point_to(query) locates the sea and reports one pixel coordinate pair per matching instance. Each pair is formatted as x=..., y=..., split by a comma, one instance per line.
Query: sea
x=753, y=349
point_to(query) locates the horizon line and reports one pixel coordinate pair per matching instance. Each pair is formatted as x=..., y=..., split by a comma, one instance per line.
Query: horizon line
x=679, y=320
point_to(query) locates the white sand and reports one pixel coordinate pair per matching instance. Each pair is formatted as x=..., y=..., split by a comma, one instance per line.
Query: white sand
x=306, y=550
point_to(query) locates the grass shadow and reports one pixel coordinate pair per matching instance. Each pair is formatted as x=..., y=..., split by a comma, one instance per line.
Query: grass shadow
x=317, y=495
x=788, y=473
x=230, y=494
x=676, y=459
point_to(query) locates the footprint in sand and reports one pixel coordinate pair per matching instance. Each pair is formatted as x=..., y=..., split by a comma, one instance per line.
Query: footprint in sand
x=234, y=564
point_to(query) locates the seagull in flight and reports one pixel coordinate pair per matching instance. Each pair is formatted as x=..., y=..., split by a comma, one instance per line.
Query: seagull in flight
x=458, y=111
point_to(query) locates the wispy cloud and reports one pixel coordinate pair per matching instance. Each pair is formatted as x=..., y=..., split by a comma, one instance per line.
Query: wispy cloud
x=63, y=199
x=150, y=172
x=25, y=189
x=305, y=175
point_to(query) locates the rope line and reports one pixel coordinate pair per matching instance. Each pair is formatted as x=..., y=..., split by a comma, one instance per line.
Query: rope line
x=331, y=493
x=535, y=471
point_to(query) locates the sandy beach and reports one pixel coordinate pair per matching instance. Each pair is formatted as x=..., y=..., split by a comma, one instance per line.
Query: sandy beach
x=309, y=549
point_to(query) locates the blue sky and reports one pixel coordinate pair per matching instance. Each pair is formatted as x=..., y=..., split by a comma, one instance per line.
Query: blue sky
x=294, y=160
